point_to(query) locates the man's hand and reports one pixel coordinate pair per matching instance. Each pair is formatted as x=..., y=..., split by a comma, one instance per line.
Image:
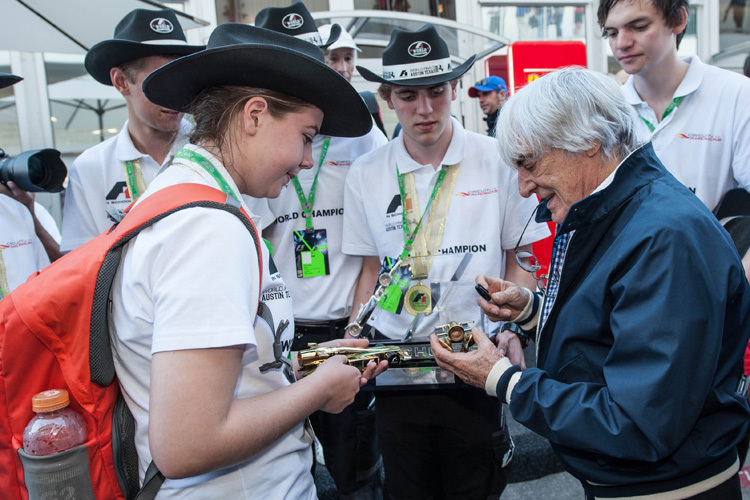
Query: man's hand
x=341, y=383
x=508, y=299
x=23, y=197
x=472, y=367
x=509, y=343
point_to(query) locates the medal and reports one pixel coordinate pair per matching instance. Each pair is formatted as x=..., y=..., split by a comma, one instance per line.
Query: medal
x=418, y=299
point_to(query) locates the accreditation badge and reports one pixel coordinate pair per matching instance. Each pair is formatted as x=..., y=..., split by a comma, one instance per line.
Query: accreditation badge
x=418, y=299
x=311, y=253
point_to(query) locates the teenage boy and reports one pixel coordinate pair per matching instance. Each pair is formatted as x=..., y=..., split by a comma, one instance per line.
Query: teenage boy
x=492, y=93
x=697, y=116
x=435, y=443
x=306, y=236
x=106, y=178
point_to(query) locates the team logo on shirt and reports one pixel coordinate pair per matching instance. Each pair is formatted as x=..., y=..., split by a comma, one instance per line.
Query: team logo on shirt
x=292, y=21
x=477, y=192
x=699, y=137
x=161, y=25
x=15, y=244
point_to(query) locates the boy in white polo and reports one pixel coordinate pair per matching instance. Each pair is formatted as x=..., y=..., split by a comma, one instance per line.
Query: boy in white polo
x=306, y=235
x=106, y=178
x=459, y=195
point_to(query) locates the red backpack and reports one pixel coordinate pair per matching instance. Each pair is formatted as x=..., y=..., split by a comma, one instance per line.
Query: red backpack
x=54, y=334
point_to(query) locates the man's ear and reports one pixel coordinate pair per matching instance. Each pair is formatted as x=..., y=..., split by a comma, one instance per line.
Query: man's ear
x=680, y=27
x=119, y=81
x=254, y=113
x=503, y=95
x=594, y=150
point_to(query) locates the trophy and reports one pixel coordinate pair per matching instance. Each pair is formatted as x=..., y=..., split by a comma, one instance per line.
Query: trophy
x=309, y=359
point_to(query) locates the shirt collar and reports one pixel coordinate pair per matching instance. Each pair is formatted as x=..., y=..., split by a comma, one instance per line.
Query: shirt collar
x=454, y=154
x=688, y=85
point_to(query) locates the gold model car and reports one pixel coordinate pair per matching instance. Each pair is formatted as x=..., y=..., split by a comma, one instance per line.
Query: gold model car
x=314, y=355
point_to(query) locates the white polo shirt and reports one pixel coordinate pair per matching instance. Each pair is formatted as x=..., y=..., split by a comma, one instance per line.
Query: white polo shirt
x=705, y=141
x=97, y=180
x=320, y=298
x=191, y=282
x=21, y=251
x=486, y=217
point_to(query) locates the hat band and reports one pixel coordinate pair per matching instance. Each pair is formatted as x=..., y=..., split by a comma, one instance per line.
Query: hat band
x=312, y=37
x=417, y=70
x=164, y=42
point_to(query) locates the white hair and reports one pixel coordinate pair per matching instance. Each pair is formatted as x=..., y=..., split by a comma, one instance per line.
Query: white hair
x=570, y=109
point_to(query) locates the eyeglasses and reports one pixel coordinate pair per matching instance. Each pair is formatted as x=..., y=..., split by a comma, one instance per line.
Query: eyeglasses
x=528, y=261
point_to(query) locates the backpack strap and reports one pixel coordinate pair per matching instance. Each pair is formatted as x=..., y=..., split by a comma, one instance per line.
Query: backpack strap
x=156, y=207
x=151, y=483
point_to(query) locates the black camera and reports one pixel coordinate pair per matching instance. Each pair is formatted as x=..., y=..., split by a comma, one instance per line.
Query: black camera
x=39, y=170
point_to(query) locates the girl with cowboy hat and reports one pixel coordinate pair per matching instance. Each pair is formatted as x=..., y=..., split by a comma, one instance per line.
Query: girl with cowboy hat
x=202, y=364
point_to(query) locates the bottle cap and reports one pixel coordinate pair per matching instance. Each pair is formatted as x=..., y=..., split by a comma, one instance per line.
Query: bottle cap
x=51, y=400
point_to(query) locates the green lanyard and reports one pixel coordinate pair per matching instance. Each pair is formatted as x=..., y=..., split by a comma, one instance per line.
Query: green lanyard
x=134, y=179
x=672, y=105
x=307, y=203
x=409, y=238
x=188, y=154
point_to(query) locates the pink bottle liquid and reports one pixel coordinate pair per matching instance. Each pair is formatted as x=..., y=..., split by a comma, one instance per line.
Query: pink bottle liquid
x=55, y=427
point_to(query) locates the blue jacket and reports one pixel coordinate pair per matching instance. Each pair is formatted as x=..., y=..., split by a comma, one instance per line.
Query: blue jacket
x=640, y=356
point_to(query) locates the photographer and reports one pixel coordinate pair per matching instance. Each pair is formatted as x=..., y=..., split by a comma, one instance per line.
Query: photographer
x=26, y=246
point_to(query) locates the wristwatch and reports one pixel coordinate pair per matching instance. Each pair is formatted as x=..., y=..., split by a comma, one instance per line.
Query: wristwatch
x=513, y=327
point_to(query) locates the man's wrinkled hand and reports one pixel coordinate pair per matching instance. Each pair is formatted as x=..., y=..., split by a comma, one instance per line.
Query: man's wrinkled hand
x=472, y=367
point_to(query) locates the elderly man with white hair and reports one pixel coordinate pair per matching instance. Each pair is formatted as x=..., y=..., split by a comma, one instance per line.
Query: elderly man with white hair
x=641, y=324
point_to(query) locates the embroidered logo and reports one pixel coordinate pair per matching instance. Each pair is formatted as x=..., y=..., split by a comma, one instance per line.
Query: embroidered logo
x=15, y=244
x=419, y=49
x=699, y=137
x=477, y=192
x=161, y=25
x=292, y=21
x=343, y=163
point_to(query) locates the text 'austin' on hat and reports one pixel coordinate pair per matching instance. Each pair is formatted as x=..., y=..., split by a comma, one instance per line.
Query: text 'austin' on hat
x=488, y=84
x=141, y=33
x=6, y=80
x=415, y=58
x=295, y=21
x=248, y=56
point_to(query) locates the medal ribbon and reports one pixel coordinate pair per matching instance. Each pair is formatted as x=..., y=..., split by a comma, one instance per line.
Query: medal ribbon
x=4, y=288
x=134, y=178
x=427, y=244
x=672, y=106
x=308, y=202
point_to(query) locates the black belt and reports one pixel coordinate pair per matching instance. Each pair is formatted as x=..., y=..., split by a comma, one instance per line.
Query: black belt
x=318, y=331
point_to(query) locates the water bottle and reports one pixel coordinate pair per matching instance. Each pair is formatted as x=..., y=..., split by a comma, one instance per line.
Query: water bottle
x=55, y=427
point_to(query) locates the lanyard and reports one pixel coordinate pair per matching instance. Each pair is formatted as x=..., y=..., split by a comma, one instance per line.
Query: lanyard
x=189, y=154
x=134, y=178
x=672, y=105
x=307, y=203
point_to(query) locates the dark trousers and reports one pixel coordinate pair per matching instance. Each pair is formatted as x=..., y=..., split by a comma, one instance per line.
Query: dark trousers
x=728, y=490
x=442, y=444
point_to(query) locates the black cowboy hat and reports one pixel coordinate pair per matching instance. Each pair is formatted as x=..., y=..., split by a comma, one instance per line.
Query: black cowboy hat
x=414, y=58
x=141, y=33
x=245, y=55
x=6, y=80
x=295, y=21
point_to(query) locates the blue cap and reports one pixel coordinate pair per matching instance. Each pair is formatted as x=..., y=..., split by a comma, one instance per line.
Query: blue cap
x=487, y=84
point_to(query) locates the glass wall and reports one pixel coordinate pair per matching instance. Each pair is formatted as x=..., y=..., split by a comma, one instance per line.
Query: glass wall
x=544, y=22
x=438, y=8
